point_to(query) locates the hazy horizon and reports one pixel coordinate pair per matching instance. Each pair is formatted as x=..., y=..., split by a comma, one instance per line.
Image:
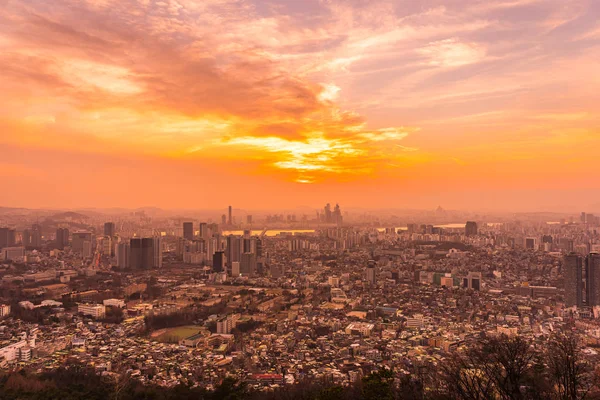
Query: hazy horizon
x=183, y=104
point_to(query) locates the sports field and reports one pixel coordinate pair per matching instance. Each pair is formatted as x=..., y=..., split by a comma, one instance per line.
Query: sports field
x=174, y=335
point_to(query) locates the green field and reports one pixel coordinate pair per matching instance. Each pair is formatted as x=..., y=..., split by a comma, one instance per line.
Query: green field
x=174, y=335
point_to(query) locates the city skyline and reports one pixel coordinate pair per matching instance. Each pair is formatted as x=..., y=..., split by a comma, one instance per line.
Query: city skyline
x=385, y=104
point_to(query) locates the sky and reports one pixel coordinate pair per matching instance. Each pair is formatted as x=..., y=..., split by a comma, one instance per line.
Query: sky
x=484, y=105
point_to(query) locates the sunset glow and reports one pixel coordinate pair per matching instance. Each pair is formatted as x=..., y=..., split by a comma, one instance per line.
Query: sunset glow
x=183, y=103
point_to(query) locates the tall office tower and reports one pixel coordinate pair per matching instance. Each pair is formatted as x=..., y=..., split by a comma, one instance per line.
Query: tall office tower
x=258, y=247
x=371, y=272
x=26, y=238
x=204, y=232
x=107, y=246
x=109, y=229
x=223, y=219
x=62, y=238
x=79, y=240
x=180, y=248
x=36, y=236
x=7, y=237
x=135, y=253
x=249, y=219
x=88, y=250
x=230, y=220
x=233, y=249
x=157, y=245
x=218, y=261
x=249, y=245
x=122, y=253
x=337, y=215
x=145, y=253
x=471, y=228
x=582, y=218
x=573, y=273
x=592, y=279
x=248, y=264
x=327, y=213
x=211, y=247
x=188, y=230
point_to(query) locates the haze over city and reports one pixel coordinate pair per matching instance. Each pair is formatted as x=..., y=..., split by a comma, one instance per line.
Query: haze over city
x=300, y=199
x=407, y=104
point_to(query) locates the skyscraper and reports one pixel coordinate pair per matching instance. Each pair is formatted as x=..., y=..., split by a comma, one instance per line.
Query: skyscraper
x=204, y=231
x=233, y=249
x=230, y=220
x=81, y=241
x=218, y=261
x=188, y=230
x=248, y=264
x=7, y=237
x=109, y=229
x=62, y=238
x=573, y=272
x=371, y=272
x=592, y=279
x=122, y=253
x=145, y=253
x=471, y=228
x=36, y=236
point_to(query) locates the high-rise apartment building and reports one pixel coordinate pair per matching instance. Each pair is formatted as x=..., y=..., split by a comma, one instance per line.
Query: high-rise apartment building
x=62, y=238
x=188, y=230
x=471, y=228
x=109, y=229
x=145, y=253
x=248, y=264
x=81, y=242
x=204, y=231
x=33, y=237
x=218, y=261
x=573, y=273
x=122, y=254
x=592, y=279
x=234, y=249
x=7, y=237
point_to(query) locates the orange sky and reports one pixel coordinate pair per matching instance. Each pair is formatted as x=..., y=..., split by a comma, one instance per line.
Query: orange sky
x=263, y=103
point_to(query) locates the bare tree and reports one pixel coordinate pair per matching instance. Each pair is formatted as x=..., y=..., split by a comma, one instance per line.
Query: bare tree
x=571, y=376
x=507, y=361
x=463, y=378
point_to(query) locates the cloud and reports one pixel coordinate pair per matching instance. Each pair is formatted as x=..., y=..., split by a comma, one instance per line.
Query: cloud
x=259, y=88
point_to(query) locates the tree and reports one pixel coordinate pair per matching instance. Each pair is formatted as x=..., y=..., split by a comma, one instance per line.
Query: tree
x=378, y=385
x=570, y=375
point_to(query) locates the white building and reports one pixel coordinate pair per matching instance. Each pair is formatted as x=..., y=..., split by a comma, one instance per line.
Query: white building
x=114, y=303
x=226, y=324
x=362, y=328
x=95, y=310
x=417, y=321
x=334, y=281
x=20, y=350
x=4, y=310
